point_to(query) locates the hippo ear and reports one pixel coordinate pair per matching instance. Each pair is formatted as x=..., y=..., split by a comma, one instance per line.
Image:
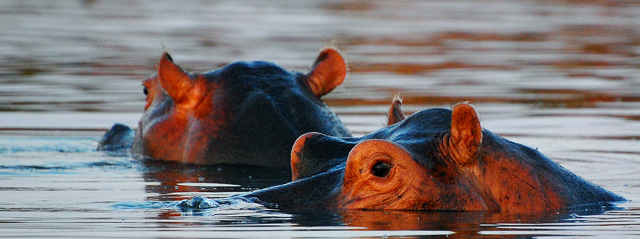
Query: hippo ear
x=395, y=112
x=327, y=72
x=466, y=133
x=173, y=79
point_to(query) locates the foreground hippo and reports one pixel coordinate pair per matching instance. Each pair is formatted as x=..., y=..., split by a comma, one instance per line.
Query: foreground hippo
x=436, y=159
x=244, y=113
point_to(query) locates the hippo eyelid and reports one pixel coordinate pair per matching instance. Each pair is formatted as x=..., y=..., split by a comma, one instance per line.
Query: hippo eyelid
x=381, y=169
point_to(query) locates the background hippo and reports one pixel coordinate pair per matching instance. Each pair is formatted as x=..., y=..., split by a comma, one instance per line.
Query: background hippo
x=436, y=159
x=244, y=113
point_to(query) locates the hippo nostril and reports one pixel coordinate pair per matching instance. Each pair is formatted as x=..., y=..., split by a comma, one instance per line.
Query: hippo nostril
x=381, y=169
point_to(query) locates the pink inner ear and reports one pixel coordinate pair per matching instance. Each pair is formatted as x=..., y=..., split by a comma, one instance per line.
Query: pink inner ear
x=173, y=79
x=466, y=132
x=327, y=72
x=395, y=111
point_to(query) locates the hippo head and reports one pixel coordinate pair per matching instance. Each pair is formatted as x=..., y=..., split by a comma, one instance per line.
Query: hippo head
x=243, y=113
x=436, y=159
x=413, y=164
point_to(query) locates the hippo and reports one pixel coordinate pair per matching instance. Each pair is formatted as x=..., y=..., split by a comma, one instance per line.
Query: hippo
x=245, y=113
x=436, y=159
x=117, y=139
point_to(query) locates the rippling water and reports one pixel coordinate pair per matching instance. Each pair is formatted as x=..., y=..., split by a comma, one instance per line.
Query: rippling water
x=560, y=76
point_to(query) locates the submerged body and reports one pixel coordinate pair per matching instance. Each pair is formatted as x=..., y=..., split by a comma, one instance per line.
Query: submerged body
x=436, y=159
x=244, y=113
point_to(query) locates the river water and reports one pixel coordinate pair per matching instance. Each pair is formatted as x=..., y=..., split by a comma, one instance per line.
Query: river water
x=559, y=76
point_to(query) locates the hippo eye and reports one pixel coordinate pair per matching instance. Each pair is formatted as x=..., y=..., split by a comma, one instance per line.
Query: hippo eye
x=145, y=91
x=381, y=169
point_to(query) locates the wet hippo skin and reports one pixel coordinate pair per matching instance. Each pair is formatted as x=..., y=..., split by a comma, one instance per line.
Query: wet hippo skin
x=244, y=113
x=436, y=159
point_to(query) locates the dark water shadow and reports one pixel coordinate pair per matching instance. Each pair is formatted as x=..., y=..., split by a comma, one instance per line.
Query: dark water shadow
x=178, y=181
x=569, y=222
x=463, y=224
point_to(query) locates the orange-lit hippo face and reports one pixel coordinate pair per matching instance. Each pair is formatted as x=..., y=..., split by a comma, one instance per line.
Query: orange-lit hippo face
x=436, y=159
x=244, y=113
